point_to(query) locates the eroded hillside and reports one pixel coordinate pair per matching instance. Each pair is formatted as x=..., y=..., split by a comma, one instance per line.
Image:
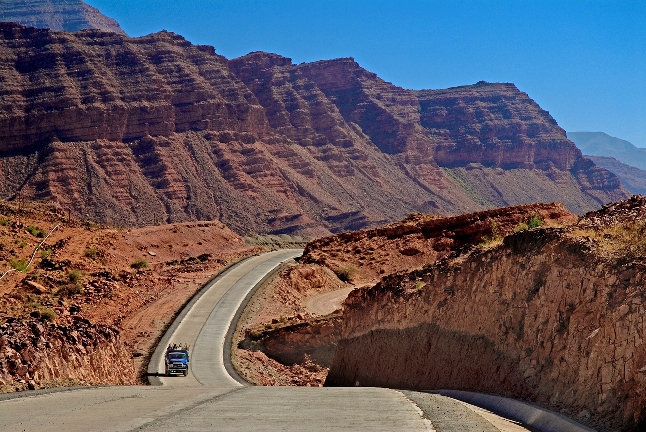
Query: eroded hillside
x=292, y=326
x=141, y=130
x=95, y=297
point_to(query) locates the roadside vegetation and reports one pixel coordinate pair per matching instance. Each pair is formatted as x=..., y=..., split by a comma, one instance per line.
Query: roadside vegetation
x=345, y=273
x=624, y=240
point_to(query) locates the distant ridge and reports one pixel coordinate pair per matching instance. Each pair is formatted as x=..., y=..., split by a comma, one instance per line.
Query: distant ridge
x=65, y=15
x=602, y=144
x=134, y=131
x=632, y=178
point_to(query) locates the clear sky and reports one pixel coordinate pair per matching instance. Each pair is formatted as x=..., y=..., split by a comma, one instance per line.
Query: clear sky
x=583, y=61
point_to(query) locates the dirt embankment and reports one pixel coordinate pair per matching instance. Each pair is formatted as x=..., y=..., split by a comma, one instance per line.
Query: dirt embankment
x=294, y=322
x=288, y=332
x=95, y=297
x=550, y=315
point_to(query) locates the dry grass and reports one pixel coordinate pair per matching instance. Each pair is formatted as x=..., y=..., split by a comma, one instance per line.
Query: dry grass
x=620, y=240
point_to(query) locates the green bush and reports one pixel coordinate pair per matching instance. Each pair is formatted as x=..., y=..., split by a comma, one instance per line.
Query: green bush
x=75, y=275
x=18, y=264
x=45, y=253
x=91, y=253
x=70, y=290
x=535, y=221
x=47, y=314
x=35, y=231
x=139, y=264
x=521, y=227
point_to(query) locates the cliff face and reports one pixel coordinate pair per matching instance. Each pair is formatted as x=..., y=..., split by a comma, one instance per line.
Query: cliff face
x=135, y=131
x=552, y=315
x=65, y=15
x=41, y=354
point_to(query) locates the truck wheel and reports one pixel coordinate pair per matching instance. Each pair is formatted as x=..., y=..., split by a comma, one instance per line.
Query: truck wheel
x=185, y=372
x=166, y=372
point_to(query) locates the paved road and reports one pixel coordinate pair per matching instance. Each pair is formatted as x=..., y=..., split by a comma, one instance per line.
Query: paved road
x=210, y=398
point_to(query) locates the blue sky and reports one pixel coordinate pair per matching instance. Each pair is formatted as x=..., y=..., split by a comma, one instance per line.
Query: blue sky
x=583, y=61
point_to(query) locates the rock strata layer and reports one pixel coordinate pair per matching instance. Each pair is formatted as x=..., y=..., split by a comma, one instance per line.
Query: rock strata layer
x=142, y=130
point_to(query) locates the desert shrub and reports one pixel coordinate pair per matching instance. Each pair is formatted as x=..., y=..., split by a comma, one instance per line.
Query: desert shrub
x=139, y=264
x=70, y=289
x=495, y=238
x=535, y=220
x=45, y=253
x=46, y=314
x=521, y=227
x=18, y=264
x=35, y=231
x=91, y=253
x=419, y=285
x=4, y=221
x=75, y=275
x=345, y=273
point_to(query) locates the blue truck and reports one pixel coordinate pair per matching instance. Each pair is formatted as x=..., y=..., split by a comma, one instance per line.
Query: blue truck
x=176, y=360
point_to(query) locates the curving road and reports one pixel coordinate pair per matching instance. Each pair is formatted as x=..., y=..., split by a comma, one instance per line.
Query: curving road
x=212, y=397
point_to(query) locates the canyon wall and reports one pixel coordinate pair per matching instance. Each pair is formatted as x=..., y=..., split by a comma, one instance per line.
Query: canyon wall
x=550, y=316
x=142, y=130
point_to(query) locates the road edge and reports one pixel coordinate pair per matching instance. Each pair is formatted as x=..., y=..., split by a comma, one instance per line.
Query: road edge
x=233, y=326
x=535, y=417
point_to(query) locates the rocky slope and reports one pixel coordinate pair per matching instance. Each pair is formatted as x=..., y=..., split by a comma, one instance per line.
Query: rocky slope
x=550, y=315
x=363, y=257
x=95, y=296
x=65, y=15
x=290, y=330
x=136, y=131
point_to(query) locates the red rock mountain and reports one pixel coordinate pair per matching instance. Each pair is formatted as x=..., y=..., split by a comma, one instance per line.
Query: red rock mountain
x=143, y=130
x=65, y=15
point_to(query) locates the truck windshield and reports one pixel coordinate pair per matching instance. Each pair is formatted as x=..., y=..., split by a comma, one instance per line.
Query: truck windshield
x=176, y=356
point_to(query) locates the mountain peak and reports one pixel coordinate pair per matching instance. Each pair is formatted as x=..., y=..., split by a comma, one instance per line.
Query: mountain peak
x=61, y=15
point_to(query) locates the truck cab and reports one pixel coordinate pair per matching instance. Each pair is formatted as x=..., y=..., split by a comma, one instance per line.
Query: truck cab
x=176, y=361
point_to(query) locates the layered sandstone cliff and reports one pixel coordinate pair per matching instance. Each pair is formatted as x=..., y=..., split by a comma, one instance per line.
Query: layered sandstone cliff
x=551, y=315
x=137, y=131
x=66, y=15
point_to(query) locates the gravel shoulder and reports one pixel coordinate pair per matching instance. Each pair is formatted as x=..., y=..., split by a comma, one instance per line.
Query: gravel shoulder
x=451, y=415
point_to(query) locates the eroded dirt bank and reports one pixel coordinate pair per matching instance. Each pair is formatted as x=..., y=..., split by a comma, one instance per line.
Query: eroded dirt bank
x=550, y=315
x=290, y=332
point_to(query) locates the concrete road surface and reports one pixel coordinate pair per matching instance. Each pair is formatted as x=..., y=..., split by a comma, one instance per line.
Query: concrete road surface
x=212, y=398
